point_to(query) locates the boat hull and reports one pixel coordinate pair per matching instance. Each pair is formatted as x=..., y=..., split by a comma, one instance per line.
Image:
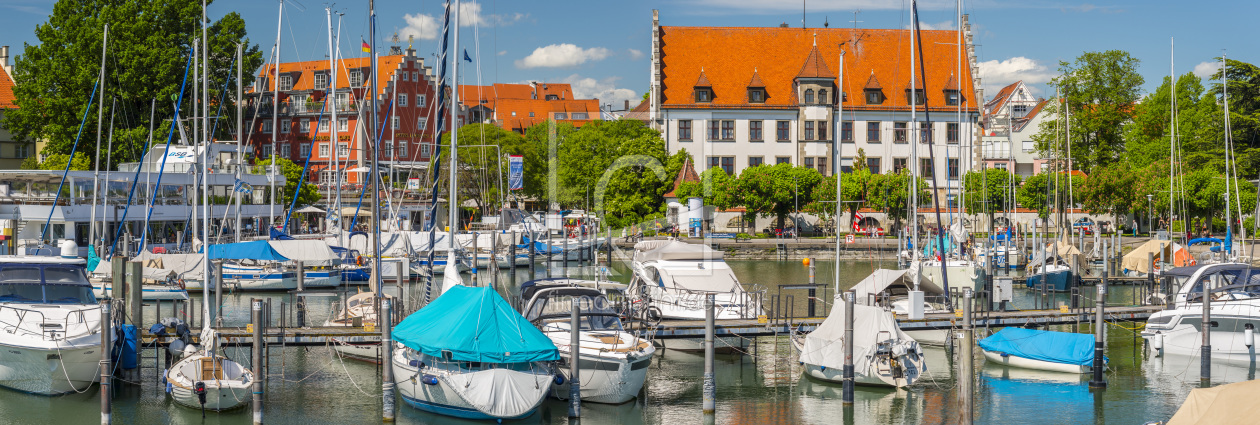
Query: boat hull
x=221, y=394
x=363, y=348
x=721, y=344
x=147, y=292
x=45, y=371
x=605, y=379
x=442, y=398
x=1056, y=281
x=1027, y=363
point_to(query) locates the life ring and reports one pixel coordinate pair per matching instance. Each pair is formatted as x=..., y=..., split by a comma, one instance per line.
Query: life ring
x=358, y=260
x=182, y=285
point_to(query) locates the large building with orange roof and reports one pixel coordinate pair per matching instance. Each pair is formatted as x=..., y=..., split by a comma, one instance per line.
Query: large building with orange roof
x=12, y=151
x=739, y=97
x=1011, y=119
x=516, y=107
x=406, y=125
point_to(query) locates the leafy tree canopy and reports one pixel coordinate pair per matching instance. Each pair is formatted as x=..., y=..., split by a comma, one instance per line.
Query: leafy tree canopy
x=292, y=175
x=1100, y=90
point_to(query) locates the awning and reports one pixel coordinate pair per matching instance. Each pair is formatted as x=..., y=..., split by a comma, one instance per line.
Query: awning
x=309, y=252
x=489, y=329
x=1164, y=251
x=256, y=250
x=310, y=209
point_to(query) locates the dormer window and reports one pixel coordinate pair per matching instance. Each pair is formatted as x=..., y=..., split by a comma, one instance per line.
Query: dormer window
x=756, y=95
x=552, y=97
x=704, y=95
x=809, y=96
x=321, y=81
x=953, y=97
x=286, y=83
x=918, y=96
x=874, y=97
x=822, y=97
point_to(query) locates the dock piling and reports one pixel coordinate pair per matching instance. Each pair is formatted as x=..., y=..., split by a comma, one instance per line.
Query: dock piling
x=967, y=377
x=1205, y=365
x=1098, y=380
x=255, y=317
x=494, y=259
x=812, y=292
x=710, y=387
x=386, y=319
x=475, y=254
x=575, y=382
x=106, y=332
x=847, y=392
x=533, y=260
x=301, y=277
x=218, y=293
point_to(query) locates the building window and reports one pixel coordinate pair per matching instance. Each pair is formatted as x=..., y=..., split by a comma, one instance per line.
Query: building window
x=1019, y=111
x=558, y=115
x=284, y=150
x=873, y=165
x=874, y=97
x=402, y=99
x=321, y=81
x=952, y=97
x=343, y=124
x=397, y=123
x=899, y=132
x=1030, y=146
x=899, y=164
x=822, y=97
x=781, y=131
x=342, y=100
x=422, y=123
x=21, y=150
x=266, y=126
x=531, y=114
x=951, y=201
x=285, y=126
x=953, y=168
x=809, y=96
x=822, y=130
x=402, y=149
x=925, y=132
x=684, y=130
x=782, y=160
x=286, y=83
x=704, y=95
x=846, y=131
x=356, y=78
x=1000, y=166
x=822, y=165
x=756, y=96
x=323, y=151
x=754, y=161
x=343, y=150
x=387, y=149
x=925, y=168
x=728, y=129
x=420, y=99
x=424, y=149
x=809, y=162
x=306, y=126
x=872, y=131
x=579, y=116
x=951, y=133
x=323, y=125
x=754, y=130
x=726, y=163
x=918, y=96
x=809, y=130
x=846, y=165
x=714, y=128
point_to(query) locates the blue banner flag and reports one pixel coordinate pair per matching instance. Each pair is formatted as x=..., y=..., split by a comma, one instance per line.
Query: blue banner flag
x=466, y=56
x=243, y=187
x=516, y=172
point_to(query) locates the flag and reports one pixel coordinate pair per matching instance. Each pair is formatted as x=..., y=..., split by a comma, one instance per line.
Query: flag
x=516, y=172
x=366, y=48
x=857, y=218
x=466, y=56
x=243, y=187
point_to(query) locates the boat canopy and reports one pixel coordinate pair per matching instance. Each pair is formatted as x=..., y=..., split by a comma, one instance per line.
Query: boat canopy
x=1165, y=251
x=1047, y=346
x=895, y=282
x=1221, y=404
x=872, y=326
x=255, y=250
x=475, y=325
x=187, y=266
x=309, y=252
x=1069, y=256
x=673, y=250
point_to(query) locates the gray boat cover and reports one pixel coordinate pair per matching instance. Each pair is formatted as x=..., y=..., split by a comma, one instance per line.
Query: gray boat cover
x=871, y=326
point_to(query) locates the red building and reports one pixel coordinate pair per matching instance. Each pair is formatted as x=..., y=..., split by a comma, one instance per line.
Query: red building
x=407, y=131
x=516, y=107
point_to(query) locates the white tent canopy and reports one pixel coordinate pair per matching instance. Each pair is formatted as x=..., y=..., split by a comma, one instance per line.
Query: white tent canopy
x=310, y=209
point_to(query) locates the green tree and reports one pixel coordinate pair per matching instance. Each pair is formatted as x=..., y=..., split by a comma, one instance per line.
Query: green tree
x=890, y=193
x=1040, y=191
x=57, y=162
x=1100, y=90
x=715, y=186
x=149, y=43
x=775, y=190
x=989, y=191
x=292, y=175
x=482, y=156
x=1147, y=136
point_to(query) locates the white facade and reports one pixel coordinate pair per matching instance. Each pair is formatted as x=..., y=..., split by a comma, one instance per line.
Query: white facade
x=1011, y=121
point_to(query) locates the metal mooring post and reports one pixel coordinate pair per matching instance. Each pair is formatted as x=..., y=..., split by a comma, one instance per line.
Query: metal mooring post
x=386, y=320
x=575, y=382
x=710, y=387
x=255, y=317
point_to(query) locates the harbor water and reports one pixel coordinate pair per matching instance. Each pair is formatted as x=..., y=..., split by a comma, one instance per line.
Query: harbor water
x=309, y=385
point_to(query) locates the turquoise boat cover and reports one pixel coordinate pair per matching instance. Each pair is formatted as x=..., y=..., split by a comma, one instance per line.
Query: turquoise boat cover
x=256, y=250
x=1049, y=346
x=475, y=325
x=92, y=259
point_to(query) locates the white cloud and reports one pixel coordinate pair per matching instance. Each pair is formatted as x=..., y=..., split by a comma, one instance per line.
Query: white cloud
x=635, y=54
x=427, y=27
x=605, y=90
x=502, y=52
x=943, y=25
x=420, y=26
x=996, y=74
x=562, y=55
x=1205, y=69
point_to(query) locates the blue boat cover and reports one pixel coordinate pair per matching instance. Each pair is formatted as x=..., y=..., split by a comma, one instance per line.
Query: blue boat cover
x=92, y=259
x=1049, y=346
x=475, y=325
x=539, y=247
x=256, y=250
x=1203, y=240
x=277, y=235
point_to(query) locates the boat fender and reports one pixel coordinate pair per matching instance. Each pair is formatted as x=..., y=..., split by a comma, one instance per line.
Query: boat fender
x=429, y=380
x=1157, y=342
x=822, y=368
x=1249, y=335
x=416, y=364
x=559, y=380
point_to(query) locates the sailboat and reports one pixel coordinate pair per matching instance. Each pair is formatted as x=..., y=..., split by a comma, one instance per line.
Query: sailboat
x=883, y=355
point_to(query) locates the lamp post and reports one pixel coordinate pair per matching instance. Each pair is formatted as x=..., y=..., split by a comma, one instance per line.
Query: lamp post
x=1150, y=229
x=796, y=210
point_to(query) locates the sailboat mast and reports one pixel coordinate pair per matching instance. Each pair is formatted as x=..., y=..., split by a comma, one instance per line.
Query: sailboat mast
x=332, y=123
x=205, y=168
x=275, y=104
x=376, y=155
x=1172, y=127
x=96, y=176
x=914, y=154
x=452, y=214
x=240, y=133
x=192, y=143
x=1229, y=243
x=838, y=148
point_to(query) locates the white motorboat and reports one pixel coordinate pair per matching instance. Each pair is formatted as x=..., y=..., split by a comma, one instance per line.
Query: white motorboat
x=672, y=279
x=1040, y=350
x=962, y=273
x=468, y=354
x=158, y=284
x=883, y=355
x=358, y=310
x=52, y=340
x=257, y=276
x=226, y=384
x=1234, y=291
x=613, y=363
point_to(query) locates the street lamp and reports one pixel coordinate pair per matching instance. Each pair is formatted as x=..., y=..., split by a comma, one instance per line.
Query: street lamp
x=1150, y=215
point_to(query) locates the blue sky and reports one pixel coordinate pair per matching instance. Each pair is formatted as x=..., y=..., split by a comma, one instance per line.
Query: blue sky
x=602, y=47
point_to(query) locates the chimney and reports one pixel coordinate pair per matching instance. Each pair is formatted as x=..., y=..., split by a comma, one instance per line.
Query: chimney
x=4, y=60
x=627, y=105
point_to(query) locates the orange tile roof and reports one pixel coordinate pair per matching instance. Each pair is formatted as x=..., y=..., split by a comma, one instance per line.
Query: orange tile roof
x=815, y=67
x=872, y=83
x=473, y=95
x=703, y=81
x=756, y=80
x=7, y=99
x=686, y=174
x=1031, y=114
x=304, y=78
x=1001, y=97
x=729, y=54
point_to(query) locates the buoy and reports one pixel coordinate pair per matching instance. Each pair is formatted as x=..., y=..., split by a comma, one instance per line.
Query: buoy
x=1249, y=335
x=805, y=261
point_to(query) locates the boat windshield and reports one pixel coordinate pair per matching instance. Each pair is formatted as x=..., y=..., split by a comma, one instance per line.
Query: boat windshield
x=596, y=312
x=55, y=285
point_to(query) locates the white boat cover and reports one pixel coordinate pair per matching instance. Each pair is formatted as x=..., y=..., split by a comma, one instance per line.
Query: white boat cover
x=1222, y=404
x=871, y=325
x=720, y=280
x=150, y=274
x=420, y=241
x=187, y=266
x=672, y=250
x=450, y=276
x=1070, y=255
x=900, y=281
x=1165, y=251
x=309, y=252
x=502, y=393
